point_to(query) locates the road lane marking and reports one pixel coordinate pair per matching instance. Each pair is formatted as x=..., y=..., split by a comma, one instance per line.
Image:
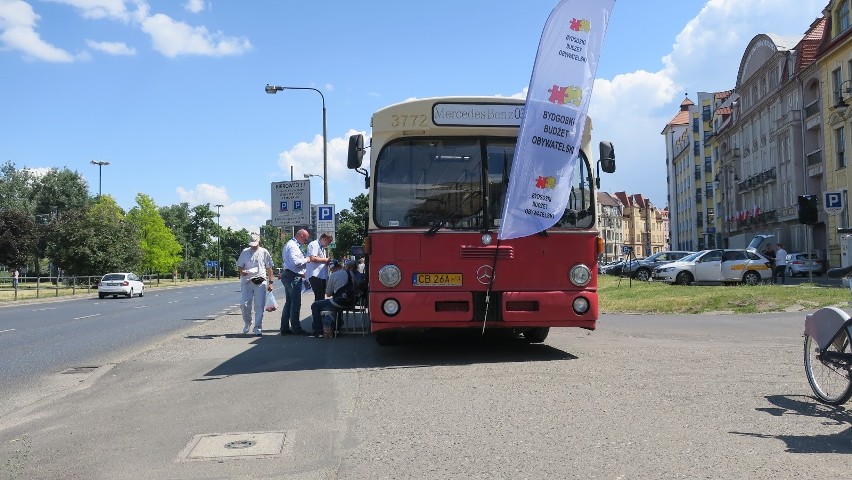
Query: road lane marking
x=7, y=330
x=43, y=309
x=142, y=306
x=88, y=316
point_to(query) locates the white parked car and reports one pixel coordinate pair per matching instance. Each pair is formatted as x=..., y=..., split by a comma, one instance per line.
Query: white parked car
x=115, y=284
x=716, y=267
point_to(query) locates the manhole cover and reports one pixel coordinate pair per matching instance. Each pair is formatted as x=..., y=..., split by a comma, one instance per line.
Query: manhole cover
x=241, y=444
x=73, y=370
x=233, y=445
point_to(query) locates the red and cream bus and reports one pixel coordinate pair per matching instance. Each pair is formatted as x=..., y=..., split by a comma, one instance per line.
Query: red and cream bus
x=438, y=174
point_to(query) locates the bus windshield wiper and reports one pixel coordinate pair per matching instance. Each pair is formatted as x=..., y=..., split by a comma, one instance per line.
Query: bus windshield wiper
x=439, y=224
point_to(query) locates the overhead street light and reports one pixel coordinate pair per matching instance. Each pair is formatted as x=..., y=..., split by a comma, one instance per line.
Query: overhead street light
x=272, y=89
x=100, y=165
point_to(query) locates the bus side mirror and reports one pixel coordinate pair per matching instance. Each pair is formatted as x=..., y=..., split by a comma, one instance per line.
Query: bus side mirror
x=356, y=152
x=607, y=157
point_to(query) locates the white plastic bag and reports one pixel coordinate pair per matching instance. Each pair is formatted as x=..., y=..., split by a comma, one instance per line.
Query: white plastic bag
x=271, y=304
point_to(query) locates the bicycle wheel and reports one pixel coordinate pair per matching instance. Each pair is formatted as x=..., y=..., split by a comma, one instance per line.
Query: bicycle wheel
x=829, y=374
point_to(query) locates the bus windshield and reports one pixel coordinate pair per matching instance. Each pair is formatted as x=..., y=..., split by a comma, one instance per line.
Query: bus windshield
x=444, y=182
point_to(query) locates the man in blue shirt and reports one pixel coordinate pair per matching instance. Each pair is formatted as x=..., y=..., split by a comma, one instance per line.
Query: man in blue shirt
x=293, y=276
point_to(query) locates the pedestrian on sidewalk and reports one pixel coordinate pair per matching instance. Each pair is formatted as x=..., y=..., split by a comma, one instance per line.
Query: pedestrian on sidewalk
x=255, y=264
x=15, y=279
x=780, y=263
x=337, y=281
x=317, y=269
x=293, y=276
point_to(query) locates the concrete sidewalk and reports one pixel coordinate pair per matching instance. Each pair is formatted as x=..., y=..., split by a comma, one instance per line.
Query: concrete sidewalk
x=208, y=402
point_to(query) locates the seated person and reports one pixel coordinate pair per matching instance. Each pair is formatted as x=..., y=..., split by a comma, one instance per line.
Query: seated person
x=338, y=280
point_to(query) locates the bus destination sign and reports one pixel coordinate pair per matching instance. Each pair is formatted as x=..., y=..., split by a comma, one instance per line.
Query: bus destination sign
x=477, y=114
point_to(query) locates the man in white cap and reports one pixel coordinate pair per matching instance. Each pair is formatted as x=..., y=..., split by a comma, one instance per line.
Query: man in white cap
x=255, y=264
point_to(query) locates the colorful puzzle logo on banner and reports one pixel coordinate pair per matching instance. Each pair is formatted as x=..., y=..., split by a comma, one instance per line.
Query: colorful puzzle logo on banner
x=581, y=25
x=545, y=182
x=562, y=95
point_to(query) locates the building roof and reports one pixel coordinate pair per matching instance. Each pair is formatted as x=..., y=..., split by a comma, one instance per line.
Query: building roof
x=682, y=117
x=808, y=47
x=604, y=198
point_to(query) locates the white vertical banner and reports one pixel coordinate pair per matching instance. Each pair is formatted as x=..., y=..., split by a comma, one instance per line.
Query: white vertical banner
x=554, y=116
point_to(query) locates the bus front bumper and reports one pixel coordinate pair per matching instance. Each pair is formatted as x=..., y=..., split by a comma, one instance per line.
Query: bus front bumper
x=470, y=309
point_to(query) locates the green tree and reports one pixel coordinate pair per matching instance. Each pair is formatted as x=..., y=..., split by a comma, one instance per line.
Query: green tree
x=194, y=228
x=16, y=188
x=160, y=250
x=18, y=238
x=176, y=217
x=352, y=226
x=233, y=242
x=95, y=241
x=59, y=191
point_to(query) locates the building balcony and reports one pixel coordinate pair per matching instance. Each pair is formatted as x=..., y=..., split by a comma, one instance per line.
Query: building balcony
x=758, y=180
x=812, y=109
x=814, y=158
x=791, y=118
x=733, y=153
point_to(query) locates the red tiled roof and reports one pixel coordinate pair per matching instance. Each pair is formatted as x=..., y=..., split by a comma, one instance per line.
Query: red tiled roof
x=723, y=95
x=808, y=47
x=724, y=111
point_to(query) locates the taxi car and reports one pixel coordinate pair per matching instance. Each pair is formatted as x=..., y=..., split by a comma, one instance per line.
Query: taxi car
x=716, y=266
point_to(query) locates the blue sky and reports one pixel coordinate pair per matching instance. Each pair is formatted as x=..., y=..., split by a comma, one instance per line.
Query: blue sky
x=171, y=92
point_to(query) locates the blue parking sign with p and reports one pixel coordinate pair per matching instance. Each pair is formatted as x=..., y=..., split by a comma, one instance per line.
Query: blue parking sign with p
x=325, y=214
x=283, y=207
x=833, y=202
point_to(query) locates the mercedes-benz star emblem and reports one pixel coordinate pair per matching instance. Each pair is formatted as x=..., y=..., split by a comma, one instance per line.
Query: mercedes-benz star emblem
x=484, y=274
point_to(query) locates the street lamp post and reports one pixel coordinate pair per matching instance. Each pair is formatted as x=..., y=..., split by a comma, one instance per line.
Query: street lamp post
x=100, y=165
x=219, y=249
x=275, y=89
x=309, y=175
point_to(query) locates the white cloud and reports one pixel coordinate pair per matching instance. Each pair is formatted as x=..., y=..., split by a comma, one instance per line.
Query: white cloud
x=112, y=48
x=236, y=214
x=306, y=157
x=17, y=32
x=194, y=6
x=173, y=39
x=203, y=193
x=98, y=9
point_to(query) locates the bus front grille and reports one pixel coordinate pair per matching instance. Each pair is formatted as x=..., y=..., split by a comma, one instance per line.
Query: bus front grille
x=486, y=252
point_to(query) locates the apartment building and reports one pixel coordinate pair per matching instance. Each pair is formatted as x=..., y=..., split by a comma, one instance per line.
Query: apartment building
x=779, y=133
x=834, y=67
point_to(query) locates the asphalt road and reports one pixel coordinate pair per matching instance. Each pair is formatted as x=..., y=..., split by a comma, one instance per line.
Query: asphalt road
x=39, y=338
x=699, y=396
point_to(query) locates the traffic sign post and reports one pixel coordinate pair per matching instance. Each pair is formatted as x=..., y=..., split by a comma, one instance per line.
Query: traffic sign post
x=325, y=219
x=833, y=203
x=291, y=203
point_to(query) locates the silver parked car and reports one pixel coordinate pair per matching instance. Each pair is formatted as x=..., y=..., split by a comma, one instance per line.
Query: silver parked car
x=799, y=263
x=645, y=267
x=716, y=267
x=115, y=284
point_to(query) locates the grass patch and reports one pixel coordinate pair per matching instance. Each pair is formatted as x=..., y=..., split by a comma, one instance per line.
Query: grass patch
x=657, y=297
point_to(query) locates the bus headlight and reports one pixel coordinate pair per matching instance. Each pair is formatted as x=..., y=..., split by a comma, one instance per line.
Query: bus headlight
x=486, y=239
x=390, y=276
x=581, y=305
x=390, y=307
x=580, y=275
